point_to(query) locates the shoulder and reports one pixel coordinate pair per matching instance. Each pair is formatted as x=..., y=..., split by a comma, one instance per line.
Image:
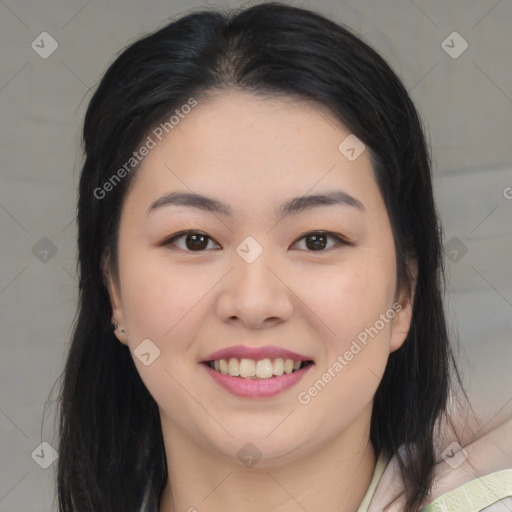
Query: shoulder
x=480, y=469
x=485, y=493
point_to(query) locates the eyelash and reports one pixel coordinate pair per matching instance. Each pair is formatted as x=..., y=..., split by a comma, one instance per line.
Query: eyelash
x=339, y=239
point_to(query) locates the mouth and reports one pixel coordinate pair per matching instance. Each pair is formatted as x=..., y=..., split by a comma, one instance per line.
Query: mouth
x=257, y=379
x=262, y=369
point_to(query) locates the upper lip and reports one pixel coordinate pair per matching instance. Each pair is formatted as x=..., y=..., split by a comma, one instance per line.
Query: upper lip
x=243, y=352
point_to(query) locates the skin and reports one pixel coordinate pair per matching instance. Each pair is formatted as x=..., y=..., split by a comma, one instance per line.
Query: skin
x=254, y=153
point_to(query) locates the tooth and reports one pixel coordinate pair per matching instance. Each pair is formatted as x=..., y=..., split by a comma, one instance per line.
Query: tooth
x=247, y=368
x=288, y=365
x=278, y=366
x=224, y=368
x=264, y=369
x=234, y=367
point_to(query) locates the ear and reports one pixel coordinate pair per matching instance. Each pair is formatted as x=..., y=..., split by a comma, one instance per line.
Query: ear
x=112, y=285
x=403, y=307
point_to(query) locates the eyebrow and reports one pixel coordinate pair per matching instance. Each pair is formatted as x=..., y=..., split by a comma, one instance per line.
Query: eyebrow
x=292, y=206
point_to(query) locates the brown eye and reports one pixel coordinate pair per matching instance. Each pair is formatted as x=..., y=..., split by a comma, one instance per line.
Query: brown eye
x=316, y=241
x=194, y=241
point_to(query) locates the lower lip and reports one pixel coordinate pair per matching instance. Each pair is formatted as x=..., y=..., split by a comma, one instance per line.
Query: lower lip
x=257, y=388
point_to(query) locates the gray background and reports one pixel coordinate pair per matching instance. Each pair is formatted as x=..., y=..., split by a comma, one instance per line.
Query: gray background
x=465, y=103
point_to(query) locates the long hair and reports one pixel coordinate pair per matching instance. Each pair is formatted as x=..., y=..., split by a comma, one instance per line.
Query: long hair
x=111, y=446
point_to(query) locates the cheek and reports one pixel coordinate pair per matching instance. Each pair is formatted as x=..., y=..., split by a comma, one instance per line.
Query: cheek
x=164, y=307
x=349, y=297
x=355, y=339
x=355, y=342
x=154, y=298
x=157, y=304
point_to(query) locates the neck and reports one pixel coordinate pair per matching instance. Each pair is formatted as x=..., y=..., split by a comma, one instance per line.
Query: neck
x=332, y=478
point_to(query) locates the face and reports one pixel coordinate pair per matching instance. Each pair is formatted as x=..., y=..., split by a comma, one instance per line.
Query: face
x=318, y=281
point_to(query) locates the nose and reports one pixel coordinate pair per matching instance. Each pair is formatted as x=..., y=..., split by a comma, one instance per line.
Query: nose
x=255, y=294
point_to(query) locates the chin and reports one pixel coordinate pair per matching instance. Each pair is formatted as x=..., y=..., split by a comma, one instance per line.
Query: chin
x=263, y=450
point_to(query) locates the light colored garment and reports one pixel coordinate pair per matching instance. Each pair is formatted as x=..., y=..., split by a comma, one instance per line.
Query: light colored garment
x=380, y=467
x=477, y=495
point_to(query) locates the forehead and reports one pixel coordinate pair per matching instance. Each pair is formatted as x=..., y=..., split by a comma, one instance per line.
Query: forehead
x=245, y=147
x=232, y=124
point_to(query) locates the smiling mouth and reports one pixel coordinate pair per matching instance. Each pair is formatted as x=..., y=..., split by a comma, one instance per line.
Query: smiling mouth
x=263, y=369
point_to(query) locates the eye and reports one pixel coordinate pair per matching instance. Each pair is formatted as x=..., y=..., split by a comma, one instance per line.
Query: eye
x=195, y=241
x=316, y=241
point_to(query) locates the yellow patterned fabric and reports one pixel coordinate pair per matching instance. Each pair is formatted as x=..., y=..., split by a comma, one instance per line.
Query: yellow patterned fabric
x=476, y=495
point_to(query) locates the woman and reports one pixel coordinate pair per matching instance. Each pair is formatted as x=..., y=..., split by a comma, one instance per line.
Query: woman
x=260, y=322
